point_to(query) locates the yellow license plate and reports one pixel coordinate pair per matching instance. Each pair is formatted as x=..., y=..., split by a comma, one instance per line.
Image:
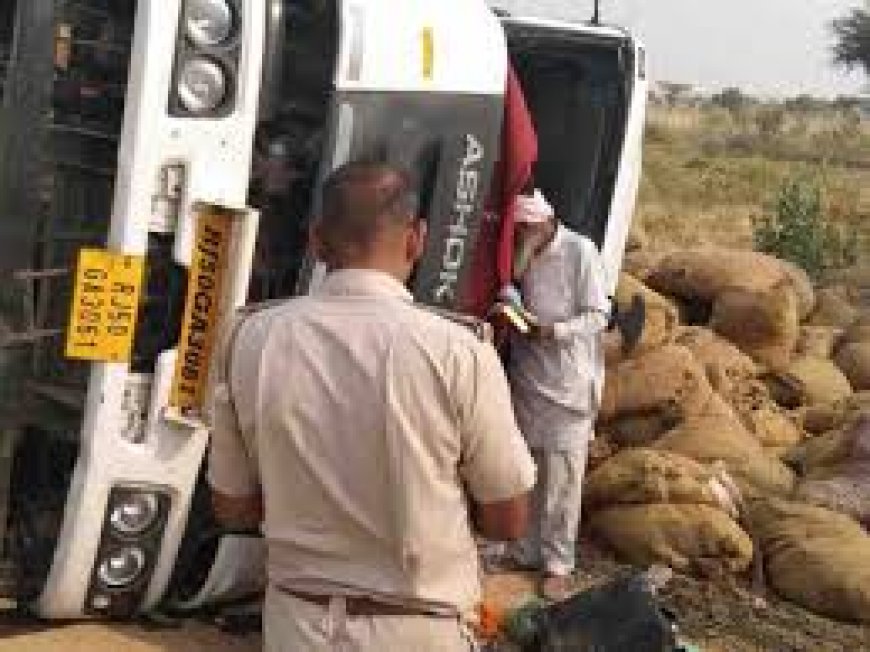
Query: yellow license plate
x=202, y=309
x=104, y=306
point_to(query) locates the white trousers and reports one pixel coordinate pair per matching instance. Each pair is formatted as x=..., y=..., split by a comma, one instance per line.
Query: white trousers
x=552, y=540
x=291, y=624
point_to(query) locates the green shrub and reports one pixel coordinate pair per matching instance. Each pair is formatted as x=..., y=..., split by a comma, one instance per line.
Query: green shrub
x=797, y=230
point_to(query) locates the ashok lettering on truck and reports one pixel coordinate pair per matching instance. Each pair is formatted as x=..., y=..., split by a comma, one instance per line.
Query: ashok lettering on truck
x=460, y=229
x=202, y=309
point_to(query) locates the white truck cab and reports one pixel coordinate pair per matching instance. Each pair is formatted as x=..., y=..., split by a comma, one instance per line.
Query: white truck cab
x=161, y=161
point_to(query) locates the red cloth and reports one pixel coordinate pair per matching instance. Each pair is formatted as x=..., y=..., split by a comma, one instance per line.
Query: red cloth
x=493, y=255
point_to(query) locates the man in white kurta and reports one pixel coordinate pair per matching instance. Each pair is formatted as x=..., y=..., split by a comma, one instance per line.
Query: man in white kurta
x=556, y=375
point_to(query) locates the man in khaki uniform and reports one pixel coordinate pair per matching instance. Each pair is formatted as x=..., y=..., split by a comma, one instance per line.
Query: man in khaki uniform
x=370, y=438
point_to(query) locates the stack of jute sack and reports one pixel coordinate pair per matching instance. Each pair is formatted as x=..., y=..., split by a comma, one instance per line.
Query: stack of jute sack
x=738, y=418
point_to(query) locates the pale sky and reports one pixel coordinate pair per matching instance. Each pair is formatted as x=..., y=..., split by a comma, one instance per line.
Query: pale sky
x=769, y=47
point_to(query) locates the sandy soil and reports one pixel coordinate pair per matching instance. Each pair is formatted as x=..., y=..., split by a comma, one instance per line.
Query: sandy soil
x=98, y=637
x=714, y=615
x=717, y=616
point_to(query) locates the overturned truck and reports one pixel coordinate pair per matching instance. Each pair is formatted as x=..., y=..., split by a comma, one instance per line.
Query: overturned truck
x=161, y=159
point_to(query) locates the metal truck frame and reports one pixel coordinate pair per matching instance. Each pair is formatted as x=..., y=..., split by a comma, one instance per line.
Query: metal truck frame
x=161, y=159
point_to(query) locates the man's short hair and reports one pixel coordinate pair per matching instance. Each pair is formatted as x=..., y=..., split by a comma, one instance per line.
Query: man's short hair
x=361, y=199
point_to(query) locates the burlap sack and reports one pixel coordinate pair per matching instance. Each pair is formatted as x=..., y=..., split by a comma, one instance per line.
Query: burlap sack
x=687, y=537
x=803, y=288
x=719, y=435
x=817, y=341
x=668, y=378
x=817, y=419
x=858, y=330
x=703, y=274
x=641, y=263
x=764, y=325
x=773, y=427
x=637, y=239
x=844, y=488
x=854, y=361
x=809, y=381
x=662, y=316
x=612, y=345
x=775, y=430
x=815, y=557
x=812, y=456
x=640, y=429
x=844, y=485
x=833, y=309
x=726, y=365
x=642, y=475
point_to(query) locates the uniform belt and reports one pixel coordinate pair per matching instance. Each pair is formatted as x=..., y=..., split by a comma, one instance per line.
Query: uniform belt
x=356, y=607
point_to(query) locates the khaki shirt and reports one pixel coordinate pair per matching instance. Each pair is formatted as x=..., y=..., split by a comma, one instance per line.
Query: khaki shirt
x=364, y=421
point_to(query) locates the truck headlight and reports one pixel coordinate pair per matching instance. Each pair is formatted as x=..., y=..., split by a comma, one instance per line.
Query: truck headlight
x=134, y=513
x=121, y=567
x=202, y=85
x=208, y=22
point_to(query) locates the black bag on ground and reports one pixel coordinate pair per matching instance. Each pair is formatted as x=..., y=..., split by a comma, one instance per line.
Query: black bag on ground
x=621, y=616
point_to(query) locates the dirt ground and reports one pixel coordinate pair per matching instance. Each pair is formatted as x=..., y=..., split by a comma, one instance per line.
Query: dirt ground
x=715, y=616
x=189, y=636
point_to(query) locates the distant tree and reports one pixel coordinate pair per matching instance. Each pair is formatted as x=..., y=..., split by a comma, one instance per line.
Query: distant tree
x=852, y=31
x=805, y=104
x=674, y=92
x=732, y=99
x=846, y=103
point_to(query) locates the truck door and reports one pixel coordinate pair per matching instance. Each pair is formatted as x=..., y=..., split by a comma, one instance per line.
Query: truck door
x=586, y=88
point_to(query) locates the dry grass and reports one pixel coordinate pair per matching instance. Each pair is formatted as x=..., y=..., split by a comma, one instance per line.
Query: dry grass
x=708, y=173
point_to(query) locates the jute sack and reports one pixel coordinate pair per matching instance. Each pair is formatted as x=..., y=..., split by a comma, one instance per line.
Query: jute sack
x=844, y=488
x=725, y=365
x=858, y=330
x=774, y=429
x=813, y=556
x=640, y=429
x=817, y=419
x=718, y=435
x=809, y=381
x=703, y=274
x=803, y=288
x=642, y=475
x=637, y=239
x=844, y=485
x=833, y=309
x=662, y=316
x=641, y=263
x=691, y=538
x=812, y=456
x=817, y=341
x=854, y=361
x=668, y=378
x=764, y=325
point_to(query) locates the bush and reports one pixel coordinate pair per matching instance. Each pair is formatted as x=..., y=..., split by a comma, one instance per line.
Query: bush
x=798, y=231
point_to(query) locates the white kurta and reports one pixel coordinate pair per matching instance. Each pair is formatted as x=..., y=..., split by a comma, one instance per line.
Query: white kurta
x=557, y=383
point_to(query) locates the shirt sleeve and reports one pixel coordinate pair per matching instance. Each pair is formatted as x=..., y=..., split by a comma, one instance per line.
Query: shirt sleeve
x=232, y=468
x=496, y=462
x=592, y=303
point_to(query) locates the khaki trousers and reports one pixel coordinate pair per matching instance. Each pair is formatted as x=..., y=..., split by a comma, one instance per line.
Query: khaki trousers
x=294, y=625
